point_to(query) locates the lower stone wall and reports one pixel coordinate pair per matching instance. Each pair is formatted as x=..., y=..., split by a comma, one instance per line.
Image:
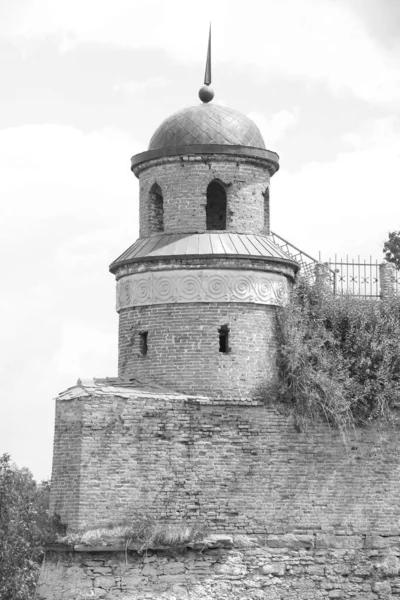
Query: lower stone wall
x=288, y=567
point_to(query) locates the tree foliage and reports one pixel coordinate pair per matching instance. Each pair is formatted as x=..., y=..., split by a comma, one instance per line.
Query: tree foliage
x=391, y=248
x=24, y=526
x=339, y=357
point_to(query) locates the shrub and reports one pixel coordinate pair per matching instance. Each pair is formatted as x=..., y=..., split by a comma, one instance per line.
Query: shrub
x=24, y=526
x=339, y=357
x=391, y=248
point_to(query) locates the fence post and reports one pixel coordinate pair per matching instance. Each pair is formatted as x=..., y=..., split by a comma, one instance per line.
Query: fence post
x=387, y=280
x=323, y=276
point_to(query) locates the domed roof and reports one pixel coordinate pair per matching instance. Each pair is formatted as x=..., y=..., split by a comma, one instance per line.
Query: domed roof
x=207, y=124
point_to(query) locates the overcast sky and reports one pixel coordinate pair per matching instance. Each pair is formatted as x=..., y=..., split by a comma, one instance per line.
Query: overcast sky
x=83, y=85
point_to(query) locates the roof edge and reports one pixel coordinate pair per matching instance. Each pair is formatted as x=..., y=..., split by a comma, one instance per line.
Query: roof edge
x=114, y=266
x=270, y=157
x=117, y=386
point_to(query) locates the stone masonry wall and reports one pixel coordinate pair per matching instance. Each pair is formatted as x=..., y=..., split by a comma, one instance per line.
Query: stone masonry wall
x=281, y=568
x=288, y=515
x=183, y=347
x=184, y=180
x=233, y=468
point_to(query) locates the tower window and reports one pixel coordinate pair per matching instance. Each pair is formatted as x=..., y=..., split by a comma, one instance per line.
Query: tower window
x=156, y=208
x=216, y=206
x=143, y=343
x=223, y=339
x=266, y=212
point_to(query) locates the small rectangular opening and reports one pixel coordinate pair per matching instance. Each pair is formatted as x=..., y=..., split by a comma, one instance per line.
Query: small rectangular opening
x=223, y=339
x=143, y=343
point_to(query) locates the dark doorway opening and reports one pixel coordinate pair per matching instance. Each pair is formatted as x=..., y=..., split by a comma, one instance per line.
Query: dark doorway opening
x=156, y=208
x=143, y=343
x=266, y=212
x=216, y=206
x=224, y=339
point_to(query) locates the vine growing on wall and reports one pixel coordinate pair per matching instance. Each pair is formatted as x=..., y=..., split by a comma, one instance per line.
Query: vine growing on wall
x=338, y=357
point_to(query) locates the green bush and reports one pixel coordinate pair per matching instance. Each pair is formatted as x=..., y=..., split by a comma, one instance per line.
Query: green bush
x=24, y=526
x=339, y=357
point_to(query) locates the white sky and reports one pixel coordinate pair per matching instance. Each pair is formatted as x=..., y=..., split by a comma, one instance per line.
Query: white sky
x=83, y=85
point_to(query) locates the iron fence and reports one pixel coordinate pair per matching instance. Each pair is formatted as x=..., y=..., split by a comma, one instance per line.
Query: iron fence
x=359, y=278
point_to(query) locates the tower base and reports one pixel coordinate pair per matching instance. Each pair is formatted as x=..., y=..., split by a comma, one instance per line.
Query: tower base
x=290, y=567
x=275, y=513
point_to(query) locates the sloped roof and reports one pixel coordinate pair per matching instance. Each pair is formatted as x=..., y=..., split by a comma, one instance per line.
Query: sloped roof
x=116, y=386
x=208, y=243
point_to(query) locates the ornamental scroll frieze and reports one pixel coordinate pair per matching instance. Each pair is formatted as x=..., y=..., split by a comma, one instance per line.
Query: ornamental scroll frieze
x=182, y=286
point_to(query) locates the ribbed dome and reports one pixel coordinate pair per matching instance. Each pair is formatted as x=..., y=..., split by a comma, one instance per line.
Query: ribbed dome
x=207, y=124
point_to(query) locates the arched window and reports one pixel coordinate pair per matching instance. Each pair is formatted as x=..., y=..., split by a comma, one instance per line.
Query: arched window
x=266, y=212
x=156, y=208
x=216, y=206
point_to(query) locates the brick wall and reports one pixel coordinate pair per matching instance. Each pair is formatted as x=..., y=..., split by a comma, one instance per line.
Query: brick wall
x=183, y=347
x=235, y=468
x=66, y=470
x=184, y=180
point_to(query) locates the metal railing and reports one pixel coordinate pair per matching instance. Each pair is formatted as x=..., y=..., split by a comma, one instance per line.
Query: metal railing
x=359, y=278
x=307, y=263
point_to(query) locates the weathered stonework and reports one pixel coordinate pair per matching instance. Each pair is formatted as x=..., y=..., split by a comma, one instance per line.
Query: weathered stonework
x=190, y=433
x=183, y=296
x=286, y=514
x=280, y=567
x=387, y=277
x=183, y=347
x=178, y=289
x=211, y=285
x=234, y=467
x=211, y=262
x=183, y=181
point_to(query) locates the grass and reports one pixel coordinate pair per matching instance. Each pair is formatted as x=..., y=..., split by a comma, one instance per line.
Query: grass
x=144, y=533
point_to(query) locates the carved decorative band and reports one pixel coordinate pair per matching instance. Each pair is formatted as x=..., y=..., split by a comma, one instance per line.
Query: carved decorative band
x=182, y=286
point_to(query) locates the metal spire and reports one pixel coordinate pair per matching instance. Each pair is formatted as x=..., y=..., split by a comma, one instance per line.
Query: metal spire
x=207, y=74
x=206, y=93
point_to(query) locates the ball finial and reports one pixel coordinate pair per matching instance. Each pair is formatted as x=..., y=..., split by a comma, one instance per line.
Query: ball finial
x=206, y=93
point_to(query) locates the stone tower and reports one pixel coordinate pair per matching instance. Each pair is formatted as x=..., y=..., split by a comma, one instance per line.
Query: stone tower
x=182, y=441
x=196, y=297
x=196, y=293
